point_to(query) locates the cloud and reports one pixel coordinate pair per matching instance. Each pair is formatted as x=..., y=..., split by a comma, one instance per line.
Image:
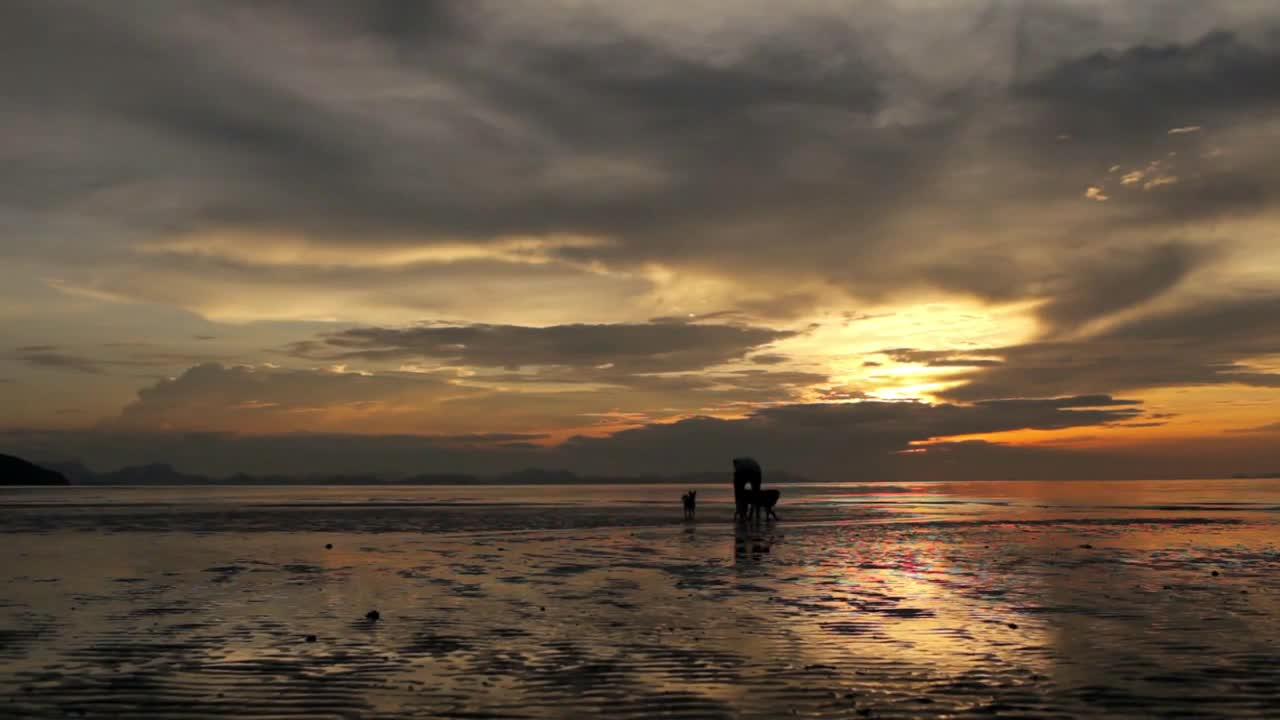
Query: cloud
x=454, y=415
x=1140, y=88
x=491, y=440
x=281, y=251
x=829, y=440
x=1208, y=344
x=621, y=348
x=213, y=397
x=1268, y=428
x=1159, y=180
x=453, y=403
x=35, y=356
x=1118, y=280
x=833, y=440
x=255, y=167
x=52, y=357
x=543, y=181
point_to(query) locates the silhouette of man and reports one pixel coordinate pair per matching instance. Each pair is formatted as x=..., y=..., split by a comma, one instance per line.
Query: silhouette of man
x=745, y=471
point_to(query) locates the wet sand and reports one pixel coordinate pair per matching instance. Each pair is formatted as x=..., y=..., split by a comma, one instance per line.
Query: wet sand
x=560, y=611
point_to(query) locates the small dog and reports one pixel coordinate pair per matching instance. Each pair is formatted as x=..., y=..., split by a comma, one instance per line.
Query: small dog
x=690, y=500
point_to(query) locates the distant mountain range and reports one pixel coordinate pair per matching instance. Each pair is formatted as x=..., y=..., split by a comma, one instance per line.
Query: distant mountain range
x=163, y=474
x=16, y=471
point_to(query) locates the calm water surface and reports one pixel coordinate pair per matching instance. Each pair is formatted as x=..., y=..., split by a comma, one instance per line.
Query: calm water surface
x=902, y=502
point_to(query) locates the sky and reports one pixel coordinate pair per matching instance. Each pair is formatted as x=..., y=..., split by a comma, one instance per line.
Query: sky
x=894, y=239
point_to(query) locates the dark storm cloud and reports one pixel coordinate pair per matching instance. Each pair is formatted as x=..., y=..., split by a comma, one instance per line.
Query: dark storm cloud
x=686, y=157
x=808, y=132
x=104, y=71
x=1127, y=105
x=1146, y=87
x=625, y=348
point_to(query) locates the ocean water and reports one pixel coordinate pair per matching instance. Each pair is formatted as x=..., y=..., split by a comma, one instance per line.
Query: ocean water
x=1082, y=599
x=447, y=508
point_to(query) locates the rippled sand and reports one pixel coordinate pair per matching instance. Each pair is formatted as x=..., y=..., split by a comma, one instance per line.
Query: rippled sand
x=864, y=615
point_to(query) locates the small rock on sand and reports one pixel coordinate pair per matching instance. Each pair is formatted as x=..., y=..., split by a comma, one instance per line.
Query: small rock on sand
x=1214, y=573
x=328, y=546
x=1013, y=626
x=372, y=615
x=311, y=638
x=1086, y=546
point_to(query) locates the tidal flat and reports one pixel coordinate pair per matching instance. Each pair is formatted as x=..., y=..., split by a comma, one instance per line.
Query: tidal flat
x=964, y=600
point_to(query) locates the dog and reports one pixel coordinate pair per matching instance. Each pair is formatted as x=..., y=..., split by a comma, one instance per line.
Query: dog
x=749, y=503
x=764, y=500
x=690, y=500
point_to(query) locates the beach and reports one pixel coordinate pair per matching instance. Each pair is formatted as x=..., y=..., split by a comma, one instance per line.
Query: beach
x=893, y=601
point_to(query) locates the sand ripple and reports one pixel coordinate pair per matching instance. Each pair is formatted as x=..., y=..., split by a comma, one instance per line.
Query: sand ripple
x=809, y=619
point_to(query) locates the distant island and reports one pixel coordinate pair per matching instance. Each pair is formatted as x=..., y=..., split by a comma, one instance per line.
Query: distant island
x=16, y=471
x=164, y=474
